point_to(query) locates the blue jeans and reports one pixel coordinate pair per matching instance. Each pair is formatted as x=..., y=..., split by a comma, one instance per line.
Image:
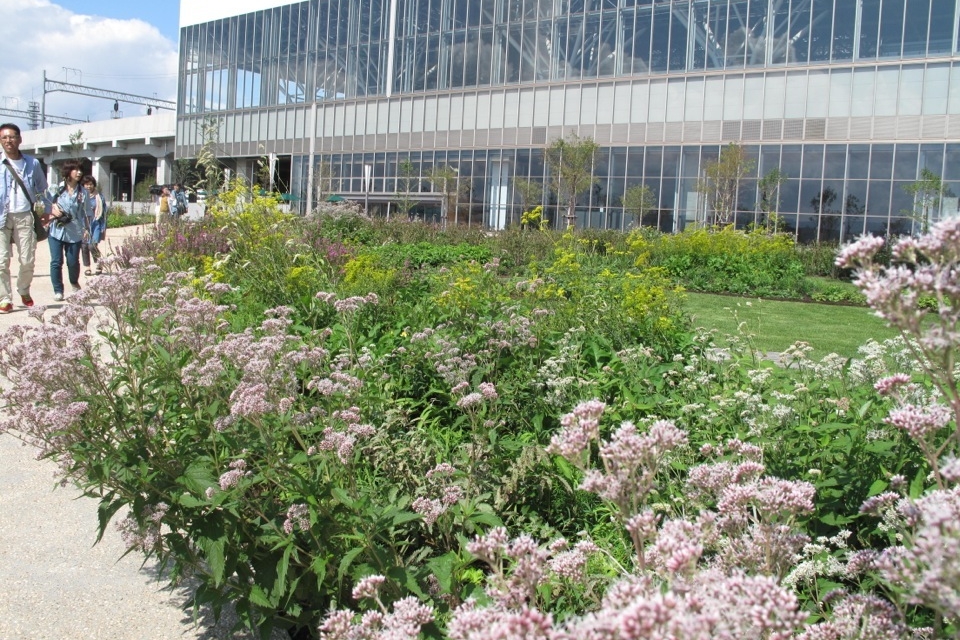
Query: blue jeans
x=59, y=249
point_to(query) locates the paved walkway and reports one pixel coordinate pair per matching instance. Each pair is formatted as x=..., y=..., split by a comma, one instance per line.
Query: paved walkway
x=54, y=583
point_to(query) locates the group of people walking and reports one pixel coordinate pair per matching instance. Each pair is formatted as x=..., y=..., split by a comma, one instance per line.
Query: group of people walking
x=74, y=214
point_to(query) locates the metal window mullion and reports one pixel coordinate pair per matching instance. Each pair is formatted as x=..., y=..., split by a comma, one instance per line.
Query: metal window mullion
x=391, y=47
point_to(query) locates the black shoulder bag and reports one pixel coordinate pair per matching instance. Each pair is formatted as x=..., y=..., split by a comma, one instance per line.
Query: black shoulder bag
x=38, y=228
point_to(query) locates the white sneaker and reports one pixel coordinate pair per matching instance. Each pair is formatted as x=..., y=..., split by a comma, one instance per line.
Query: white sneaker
x=75, y=287
x=58, y=297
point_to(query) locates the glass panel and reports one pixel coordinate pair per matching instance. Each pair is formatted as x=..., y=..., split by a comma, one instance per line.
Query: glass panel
x=915, y=28
x=905, y=165
x=931, y=158
x=858, y=160
x=798, y=49
x=840, y=99
x=660, y=40
x=881, y=162
x=818, y=94
x=941, y=27
x=678, y=39
x=877, y=226
x=835, y=160
x=869, y=26
x=936, y=87
x=821, y=30
x=911, y=91
x=844, y=21
x=813, y=161
x=891, y=29
x=790, y=158
x=952, y=165
x=863, y=88
x=878, y=198
x=885, y=98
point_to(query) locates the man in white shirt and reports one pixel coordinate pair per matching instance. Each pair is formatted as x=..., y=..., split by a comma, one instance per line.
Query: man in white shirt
x=16, y=214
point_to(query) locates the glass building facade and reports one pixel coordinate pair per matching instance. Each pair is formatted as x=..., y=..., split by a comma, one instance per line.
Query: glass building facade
x=850, y=99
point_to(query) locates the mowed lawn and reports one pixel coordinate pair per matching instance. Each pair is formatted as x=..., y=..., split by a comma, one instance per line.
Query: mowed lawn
x=773, y=325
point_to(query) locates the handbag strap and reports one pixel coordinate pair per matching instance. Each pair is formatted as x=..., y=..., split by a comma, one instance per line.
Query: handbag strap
x=16, y=176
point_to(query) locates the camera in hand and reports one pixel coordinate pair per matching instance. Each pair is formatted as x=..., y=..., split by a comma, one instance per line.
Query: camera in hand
x=64, y=219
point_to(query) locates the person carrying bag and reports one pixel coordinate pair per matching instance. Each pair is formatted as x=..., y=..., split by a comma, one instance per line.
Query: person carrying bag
x=22, y=185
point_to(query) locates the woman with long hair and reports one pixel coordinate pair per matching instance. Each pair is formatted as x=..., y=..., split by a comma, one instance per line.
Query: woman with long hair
x=69, y=228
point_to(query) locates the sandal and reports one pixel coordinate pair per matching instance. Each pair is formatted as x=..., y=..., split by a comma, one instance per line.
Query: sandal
x=88, y=272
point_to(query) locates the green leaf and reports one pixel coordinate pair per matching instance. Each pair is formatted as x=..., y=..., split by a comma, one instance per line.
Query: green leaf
x=878, y=486
x=342, y=497
x=198, y=477
x=105, y=511
x=190, y=502
x=259, y=597
x=404, y=516
x=346, y=561
x=916, y=486
x=214, y=552
x=442, y=568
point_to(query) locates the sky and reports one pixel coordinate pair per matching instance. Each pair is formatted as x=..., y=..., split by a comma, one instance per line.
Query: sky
x=125, y=46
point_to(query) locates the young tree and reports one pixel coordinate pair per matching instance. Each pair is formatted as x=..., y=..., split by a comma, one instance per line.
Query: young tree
x=446, y=180
x=408, y=179
x=528, y=192
x=323, y=181
x=769, y=200
x=638, y=200
x=720, y=183
x=927, y=193
x=208, y=161
x=571, y=168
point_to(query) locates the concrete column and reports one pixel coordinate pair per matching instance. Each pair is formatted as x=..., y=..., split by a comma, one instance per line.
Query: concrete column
x=164, y=170
x=101, y=173
x=52, y=176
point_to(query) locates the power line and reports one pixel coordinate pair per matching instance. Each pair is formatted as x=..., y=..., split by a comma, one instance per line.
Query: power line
x=51, y=86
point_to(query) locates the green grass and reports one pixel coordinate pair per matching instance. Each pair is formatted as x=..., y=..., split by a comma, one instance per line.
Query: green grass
x=774, y=325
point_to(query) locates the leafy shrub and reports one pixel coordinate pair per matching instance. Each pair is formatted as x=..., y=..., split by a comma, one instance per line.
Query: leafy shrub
x=727, y=260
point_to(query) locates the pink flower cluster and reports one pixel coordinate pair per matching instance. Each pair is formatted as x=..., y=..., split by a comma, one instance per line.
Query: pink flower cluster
x=578, y=431
x=403, y=623
x=442, y=493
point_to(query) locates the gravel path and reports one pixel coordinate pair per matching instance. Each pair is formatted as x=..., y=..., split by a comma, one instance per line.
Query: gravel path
x=55, y=584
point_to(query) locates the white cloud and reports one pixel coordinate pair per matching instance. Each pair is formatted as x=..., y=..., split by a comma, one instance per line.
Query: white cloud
x=128, y=56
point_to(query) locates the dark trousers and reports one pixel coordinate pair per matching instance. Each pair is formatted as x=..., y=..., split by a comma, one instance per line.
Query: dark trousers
x=88, y=251
x=58, y=252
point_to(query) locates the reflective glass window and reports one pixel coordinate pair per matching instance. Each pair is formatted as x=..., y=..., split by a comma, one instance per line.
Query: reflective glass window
x=678, y=39
x=951, y=162
x=858, y=160
x=812, y=161
x=834, y=161
x=905, y=162
x=869, y=27
x=881, y=162
x=891, y=29
x=911, y=91
x=660, y=38
x=887, y=89
x=917, y=17
x=936, y=88
x=798, y=36
x=844, y=24
x=931, y=158
x=821, y=29
x=790, y=159
x=878, y=197
x=941, y=26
